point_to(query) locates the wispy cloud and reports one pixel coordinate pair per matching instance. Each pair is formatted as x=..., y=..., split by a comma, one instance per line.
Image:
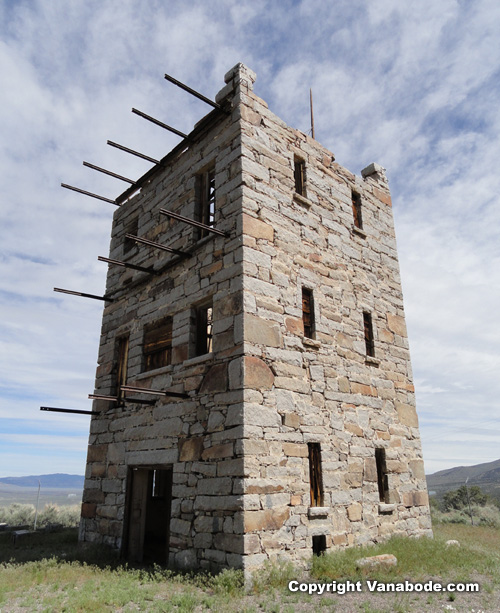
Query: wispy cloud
x=416, y=91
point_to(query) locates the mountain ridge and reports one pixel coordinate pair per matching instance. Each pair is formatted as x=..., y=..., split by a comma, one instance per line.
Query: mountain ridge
x=53, y=480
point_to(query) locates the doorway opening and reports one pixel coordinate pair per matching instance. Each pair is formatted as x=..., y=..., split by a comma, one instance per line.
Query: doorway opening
x=149, y=502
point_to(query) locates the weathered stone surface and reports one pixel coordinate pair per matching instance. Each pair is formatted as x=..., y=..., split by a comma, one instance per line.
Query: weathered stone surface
x=261, y=331
x=217, y=451
x=295, y=450
x=270, y=519
x=97, y=453
x=216, y=380
x=396, y=324
x=386, y=560
x=291, y=420
x=355, y=512
x=190, y=449
x=407, y=414
x=257, y=375
x=256, y=228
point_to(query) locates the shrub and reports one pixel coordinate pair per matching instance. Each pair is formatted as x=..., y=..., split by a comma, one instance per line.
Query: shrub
x=24, y=514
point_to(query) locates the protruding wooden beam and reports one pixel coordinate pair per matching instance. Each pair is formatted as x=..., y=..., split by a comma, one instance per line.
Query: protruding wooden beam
x=192, y=222
x=151, y=271
x=55, y=410
x=82, y=191
x=136, y=153
x=116, y=399
x=160, y=123
x=146, y=241
x=73, y=293
x=108, y=172
x=193, y=92
x=144, y=390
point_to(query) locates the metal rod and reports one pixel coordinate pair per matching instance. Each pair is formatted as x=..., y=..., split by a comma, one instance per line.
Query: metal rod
x=108, y=172
x=312, y=112
x=145, y=241
x=127, y=265
x=82, y=191
x=193, y=92
x=116, y=399
x=53, y=409
x=192, y=222
x=136, y=153
x=103, y=397
x=143, y=390
x=159, y=123
x=73, y=293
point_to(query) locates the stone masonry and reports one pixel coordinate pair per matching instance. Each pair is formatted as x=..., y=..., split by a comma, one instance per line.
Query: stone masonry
x=266, y=394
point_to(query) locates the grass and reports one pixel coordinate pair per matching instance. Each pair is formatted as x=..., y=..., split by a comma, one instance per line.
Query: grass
x=49, y=573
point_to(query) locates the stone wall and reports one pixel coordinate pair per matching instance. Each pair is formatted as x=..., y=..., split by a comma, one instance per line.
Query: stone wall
x=239, y=445
x=325, y=389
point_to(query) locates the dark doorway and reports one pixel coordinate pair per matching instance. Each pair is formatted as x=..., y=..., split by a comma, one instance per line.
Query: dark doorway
x=149, y=494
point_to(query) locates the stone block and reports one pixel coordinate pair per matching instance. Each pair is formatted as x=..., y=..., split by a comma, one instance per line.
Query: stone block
x=89, y=510
x=97, y=453
x=396, y=324
x=257, y=374
x=407, y=414
x=291, y=420
x=261, y=331
x=417, y=468
x=270, y=519
x=355, y=512
x=190, y=449
x=215, y=452
x=298, y=450
x=256, y=228
x=216, y=380
x=386, y=560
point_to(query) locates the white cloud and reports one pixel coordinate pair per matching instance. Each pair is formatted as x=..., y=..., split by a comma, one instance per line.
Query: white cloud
x=415, y=90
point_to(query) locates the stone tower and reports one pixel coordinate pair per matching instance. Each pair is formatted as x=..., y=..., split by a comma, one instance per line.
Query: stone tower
x=278, y=413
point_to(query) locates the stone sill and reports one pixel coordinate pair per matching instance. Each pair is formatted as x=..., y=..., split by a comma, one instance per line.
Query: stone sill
x=358, y=231
x=371, y=360
x=198, y=359
x=149, y=374
x=310, y=342
x=302, y=200
x=318, y=511
x=386, y=509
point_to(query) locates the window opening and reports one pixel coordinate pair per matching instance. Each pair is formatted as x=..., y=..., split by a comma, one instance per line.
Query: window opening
x=315, y=476
x=368, y=331
x=132, y=228
x=319, y=544
x=382, y=478
x=356, y=210
x=308, y=312
x=121, y=367
x=204, y=327
x=157, y=347
x=206, y=200
x=299, y=173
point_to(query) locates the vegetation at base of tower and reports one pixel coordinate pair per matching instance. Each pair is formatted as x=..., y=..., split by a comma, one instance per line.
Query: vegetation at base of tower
x=24, y=515
x=48, y=572
x=453, y=507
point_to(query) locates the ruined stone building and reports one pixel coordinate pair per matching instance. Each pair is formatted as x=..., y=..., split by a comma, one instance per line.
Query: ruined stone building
x=278, y=323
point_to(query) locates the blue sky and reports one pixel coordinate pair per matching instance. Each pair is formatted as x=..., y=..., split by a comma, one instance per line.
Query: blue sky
x=413, y=86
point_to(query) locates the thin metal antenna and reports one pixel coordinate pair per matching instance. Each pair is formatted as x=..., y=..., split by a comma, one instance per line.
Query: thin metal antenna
x=312, y=112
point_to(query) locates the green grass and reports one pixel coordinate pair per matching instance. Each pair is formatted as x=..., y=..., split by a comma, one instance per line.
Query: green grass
x=422, y=558
x=49, y=573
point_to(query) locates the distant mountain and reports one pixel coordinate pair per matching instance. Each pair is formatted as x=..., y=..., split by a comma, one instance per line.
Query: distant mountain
x=57, y=480
x=486, y=476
